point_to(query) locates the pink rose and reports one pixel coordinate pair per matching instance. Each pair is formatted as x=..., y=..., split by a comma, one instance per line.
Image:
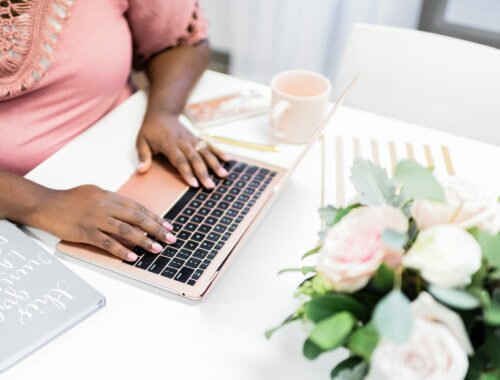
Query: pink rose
x=353, y=249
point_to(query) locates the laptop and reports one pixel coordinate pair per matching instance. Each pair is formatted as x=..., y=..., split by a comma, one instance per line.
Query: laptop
x=211, y=226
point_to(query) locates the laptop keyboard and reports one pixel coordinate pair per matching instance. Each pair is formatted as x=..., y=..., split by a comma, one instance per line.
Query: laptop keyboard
x=203, y=221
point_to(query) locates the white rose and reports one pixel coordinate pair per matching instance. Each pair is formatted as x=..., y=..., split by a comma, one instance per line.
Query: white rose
x=353, y=249
x=466, y=205
x=446, y=256
x=433, y=351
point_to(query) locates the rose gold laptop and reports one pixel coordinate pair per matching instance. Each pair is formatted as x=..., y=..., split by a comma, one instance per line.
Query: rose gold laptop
x=211, y=226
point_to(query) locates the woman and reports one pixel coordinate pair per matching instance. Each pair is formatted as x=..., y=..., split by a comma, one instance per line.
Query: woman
x=63, y=65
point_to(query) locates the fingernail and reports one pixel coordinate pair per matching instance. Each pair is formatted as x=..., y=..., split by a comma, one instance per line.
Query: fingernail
x=131, y=256
x=141, y=166
x=167, y=226
x=210, y=184
x=170, y=238
x=223, y=172
x=194, y=183
x=156, y=247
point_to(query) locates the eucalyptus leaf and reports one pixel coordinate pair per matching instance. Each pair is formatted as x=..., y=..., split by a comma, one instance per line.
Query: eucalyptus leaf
x=353, y=368
x=328, y=214
x=320, y=308
x=293, y=317
x=490, y=246
x=393, y=239
x=373, y=185
x=303, y=270
x=418, y=181
x=310, y=350
x=392, y=317
x=457, y=298
x=364, y=341
x=330, y=333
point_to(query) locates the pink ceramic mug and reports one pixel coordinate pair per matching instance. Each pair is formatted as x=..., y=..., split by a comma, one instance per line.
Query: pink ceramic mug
x=299, y=103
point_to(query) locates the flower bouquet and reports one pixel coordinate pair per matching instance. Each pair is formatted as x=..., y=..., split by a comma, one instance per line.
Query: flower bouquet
x=406, y=278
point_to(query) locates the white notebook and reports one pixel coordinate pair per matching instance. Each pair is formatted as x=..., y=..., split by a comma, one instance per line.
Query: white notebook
x=39, y=297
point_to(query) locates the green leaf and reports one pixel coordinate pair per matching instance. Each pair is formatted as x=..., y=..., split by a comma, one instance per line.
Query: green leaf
x=304, y=270
x=353, y=368
x=323, y=307
x=490, y=376
x=330, y=333
x=418, y=181
x=392, y=317
x=490, y=246
x=492, y=345
x=394, y=239
x=383, y=280
x=492, y=315
x=310, y=350
x=291, y=318
x=364, y=341
x=311, y=252
x=459, y=299
x=373, y=185
x=341, y=213
x=495, y=275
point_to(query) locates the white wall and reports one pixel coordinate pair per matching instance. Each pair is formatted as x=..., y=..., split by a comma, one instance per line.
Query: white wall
x=217, y=12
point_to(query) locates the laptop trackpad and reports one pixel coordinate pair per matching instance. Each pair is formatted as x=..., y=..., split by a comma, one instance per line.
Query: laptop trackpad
x=158, y=189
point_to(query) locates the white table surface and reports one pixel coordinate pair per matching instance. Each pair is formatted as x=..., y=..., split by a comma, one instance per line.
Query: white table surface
x=141, y=335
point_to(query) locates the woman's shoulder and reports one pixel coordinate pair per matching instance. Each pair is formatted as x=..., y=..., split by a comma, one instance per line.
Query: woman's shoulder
x=29, y=32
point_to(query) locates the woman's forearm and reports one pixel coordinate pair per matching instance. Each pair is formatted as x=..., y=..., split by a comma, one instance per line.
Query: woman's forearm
x=20, y=199
x=173, y=74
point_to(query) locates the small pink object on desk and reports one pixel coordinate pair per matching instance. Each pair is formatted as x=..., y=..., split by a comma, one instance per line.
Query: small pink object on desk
x=64, y=64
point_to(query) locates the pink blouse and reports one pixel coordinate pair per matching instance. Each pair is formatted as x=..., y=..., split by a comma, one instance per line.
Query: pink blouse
x=64, y=64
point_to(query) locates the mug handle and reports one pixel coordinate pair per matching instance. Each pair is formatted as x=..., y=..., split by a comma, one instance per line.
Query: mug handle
x=276, y=114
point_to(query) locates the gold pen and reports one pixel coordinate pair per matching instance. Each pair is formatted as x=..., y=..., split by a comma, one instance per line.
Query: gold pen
x=243, y=144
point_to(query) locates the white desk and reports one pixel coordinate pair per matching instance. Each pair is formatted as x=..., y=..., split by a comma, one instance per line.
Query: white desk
x=140, y=335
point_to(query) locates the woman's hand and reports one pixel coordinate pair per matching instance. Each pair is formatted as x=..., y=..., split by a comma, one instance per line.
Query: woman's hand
x=164, y=134
x=88, y=214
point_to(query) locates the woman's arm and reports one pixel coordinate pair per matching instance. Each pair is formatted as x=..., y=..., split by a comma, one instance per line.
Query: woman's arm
x=85, y=214
x=172, y=75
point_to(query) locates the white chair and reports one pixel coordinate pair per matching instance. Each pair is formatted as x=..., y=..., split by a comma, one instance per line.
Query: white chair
x=424, y=78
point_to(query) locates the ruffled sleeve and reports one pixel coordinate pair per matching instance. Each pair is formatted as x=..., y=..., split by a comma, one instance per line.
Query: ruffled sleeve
x=158, y=25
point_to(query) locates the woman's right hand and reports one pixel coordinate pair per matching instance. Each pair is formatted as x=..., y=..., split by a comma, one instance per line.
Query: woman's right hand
x=91, y=215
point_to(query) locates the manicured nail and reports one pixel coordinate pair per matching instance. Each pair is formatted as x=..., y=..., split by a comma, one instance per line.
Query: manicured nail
x=193, y=182
x=141, y=166
x=131, y=256
x=156, y=247
x=167, y=226
x=210, y=184
x=170, y=238
x=223, y=172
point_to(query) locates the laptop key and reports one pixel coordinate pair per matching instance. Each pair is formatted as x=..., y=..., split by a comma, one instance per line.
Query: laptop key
x=207, y=245
x=239, y=167
x=220, y=228
x=219, y=245
x=193, y=263
x=239, y=219
x=190, y=227
x=182, y=219
x=197, y=274
x=229, y=198
x=235, y=191
x=226, y=236
x=233, y=227
x=184, y=235
x=212, y=254
x=191, y=245
x=210, y=204
x=215, y=197
x=232, y=212
x=183, y=254
x=197, y=237
x=213, y=236
x=222, y=189
x=177, y=227
x=195, y=204
x=243, y=198
x=200, y=254
x=211, y=220
x=246, y=177
x=223, y=205
x=245, y=211
x=191, y=282
x=227, y=182
x=201, y=197
x=188, y=211
x=160, y=263
x=204, y=228
x=178, y=243
x=251, y=170
x=217, y=213
x=146, y=260
x=226, y=220
x=204, y=265
x=232, y=176
x=204, y=211
x=197, y=219
x=169, y=272
x=184, y=274
x=238, y=205
x=169, y=252
x=176, y=263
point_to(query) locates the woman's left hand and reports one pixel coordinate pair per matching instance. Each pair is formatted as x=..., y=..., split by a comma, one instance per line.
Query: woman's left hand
x=164, y=134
